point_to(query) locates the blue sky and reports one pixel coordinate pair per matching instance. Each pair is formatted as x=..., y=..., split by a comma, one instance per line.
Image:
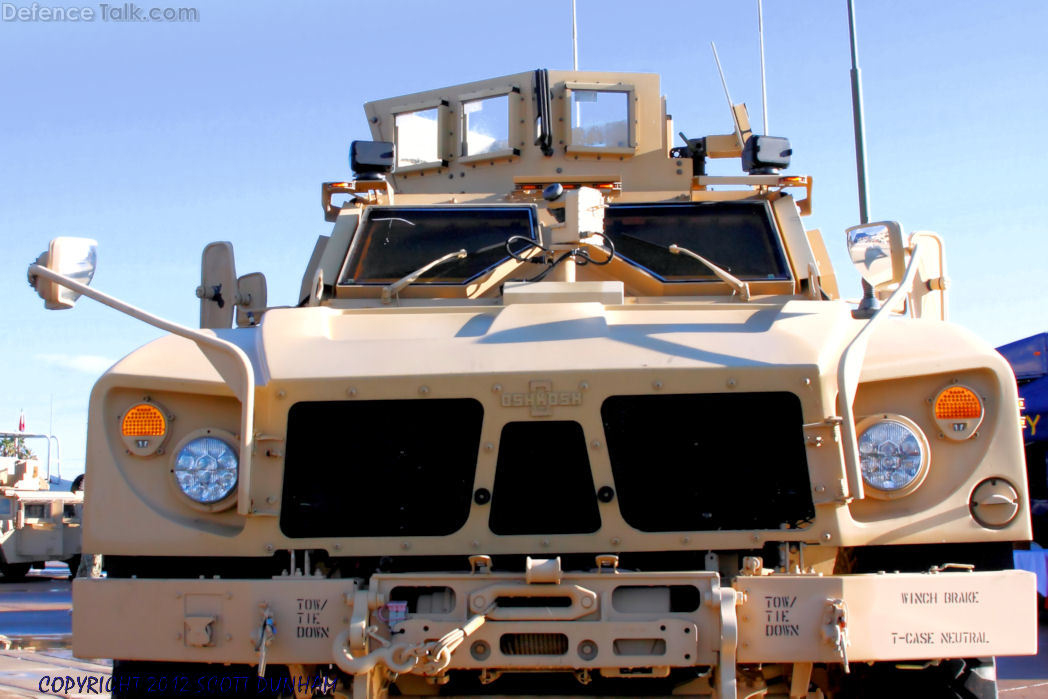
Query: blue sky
x=157, y=138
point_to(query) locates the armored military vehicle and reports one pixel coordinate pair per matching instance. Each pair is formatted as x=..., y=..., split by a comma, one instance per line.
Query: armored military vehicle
x=37, y=524
x=557, y=412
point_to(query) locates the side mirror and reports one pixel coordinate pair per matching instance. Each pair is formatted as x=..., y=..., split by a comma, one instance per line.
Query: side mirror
x=75, y=258
x=878, y=251
x=218, y=286
x=251, y=299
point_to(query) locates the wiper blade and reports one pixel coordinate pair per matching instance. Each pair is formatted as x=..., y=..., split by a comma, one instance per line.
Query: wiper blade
x=389, y=291
x=741, y=288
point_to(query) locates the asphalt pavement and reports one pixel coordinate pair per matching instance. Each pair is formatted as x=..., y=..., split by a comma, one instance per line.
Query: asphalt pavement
x=35, y=639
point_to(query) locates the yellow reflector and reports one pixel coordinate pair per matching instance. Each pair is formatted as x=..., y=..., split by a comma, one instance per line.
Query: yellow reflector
x=958, y=403
x=143, y=420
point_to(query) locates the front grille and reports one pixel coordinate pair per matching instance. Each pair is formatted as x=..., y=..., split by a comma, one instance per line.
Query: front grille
x=543, y=481
x=380, y=467
x=705, y=462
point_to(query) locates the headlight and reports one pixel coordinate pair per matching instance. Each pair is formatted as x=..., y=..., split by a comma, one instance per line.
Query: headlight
x=206, y=469
x=893, y=454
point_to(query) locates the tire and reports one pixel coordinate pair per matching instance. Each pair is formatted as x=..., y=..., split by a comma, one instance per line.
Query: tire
x=971, y=678
x=14, y=571
x=74, y=564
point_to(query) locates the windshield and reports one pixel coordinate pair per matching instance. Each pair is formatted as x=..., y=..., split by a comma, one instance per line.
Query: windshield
x=740, y=237
x=395, y=241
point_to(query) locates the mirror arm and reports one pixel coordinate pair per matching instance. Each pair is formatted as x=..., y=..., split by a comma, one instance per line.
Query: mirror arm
x=238, y=373
x=848, y=371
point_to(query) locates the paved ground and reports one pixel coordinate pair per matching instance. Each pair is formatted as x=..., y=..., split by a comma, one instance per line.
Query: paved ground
x=1025, y=677
x=35, y=645
x=35, y=629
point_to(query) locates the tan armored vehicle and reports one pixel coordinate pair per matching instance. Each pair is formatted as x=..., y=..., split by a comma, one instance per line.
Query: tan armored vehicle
x=37, y=524
x=557, y=413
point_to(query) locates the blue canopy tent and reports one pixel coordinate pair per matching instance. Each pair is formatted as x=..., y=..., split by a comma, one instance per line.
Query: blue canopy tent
x=1029, y=360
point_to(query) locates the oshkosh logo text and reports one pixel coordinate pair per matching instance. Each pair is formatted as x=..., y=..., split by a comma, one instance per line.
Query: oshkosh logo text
x=541, y=398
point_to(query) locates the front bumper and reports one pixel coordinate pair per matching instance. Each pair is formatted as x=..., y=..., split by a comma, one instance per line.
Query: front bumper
x=620, y=624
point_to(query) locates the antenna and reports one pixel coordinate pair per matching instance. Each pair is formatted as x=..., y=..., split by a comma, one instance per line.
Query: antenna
x=860, y=130
x=764, y=88
x=731, y=106
x=868, y=305
x=574, y=40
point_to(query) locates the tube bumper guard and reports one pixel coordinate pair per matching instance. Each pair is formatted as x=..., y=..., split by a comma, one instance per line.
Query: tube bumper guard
x=615, y=623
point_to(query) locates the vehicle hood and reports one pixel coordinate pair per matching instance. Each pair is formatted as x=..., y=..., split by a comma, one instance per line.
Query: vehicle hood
x=321, y=343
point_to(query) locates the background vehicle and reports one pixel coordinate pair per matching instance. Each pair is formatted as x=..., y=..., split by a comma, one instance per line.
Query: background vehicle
x=37, y=524
x=558, y=413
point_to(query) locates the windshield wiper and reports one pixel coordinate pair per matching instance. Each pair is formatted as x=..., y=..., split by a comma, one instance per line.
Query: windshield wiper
x=740, y=287
x=395, y=287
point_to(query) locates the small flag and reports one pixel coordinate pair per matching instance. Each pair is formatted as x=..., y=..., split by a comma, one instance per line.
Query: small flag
x=21, y=421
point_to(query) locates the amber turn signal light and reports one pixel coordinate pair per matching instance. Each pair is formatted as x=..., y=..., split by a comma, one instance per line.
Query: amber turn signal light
x=143, y=428
x=958, y=412
x=143, y=420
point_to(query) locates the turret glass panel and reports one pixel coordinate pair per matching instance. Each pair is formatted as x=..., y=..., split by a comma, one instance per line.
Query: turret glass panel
x=485, y=125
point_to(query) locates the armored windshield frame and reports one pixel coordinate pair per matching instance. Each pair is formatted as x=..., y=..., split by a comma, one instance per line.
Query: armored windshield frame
x=775, y=251
x=451, y=213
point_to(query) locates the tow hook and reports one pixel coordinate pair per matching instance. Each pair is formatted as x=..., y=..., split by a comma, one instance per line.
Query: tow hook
x=421, y=658
x=835, y=630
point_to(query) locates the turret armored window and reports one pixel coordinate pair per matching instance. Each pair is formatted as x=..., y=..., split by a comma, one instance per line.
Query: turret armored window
x=485, y=125
x=601, y=119
x=418, y=136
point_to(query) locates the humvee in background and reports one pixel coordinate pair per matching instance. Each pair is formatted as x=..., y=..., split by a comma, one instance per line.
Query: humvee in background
x=37, y=524
x=557, y=412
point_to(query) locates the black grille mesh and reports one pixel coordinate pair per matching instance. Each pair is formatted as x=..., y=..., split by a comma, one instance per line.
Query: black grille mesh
x=707, y=462
x=380, y=467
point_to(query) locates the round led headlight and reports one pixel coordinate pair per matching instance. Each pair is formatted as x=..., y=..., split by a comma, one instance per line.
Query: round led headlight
x=206, y=467
x=893, y=455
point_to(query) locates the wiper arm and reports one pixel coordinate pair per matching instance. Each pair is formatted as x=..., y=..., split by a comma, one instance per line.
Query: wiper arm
x=740, y=287
x=395, y=287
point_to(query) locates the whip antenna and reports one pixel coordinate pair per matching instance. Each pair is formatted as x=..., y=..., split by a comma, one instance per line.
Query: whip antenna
x=724, y=82
x=764, y=89
x=574, y=40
